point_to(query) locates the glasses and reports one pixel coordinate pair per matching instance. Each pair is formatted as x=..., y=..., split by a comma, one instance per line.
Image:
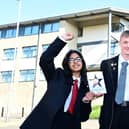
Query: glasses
x=71, y=60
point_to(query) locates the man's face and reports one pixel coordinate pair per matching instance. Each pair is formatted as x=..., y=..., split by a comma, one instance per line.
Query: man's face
x=124, y=45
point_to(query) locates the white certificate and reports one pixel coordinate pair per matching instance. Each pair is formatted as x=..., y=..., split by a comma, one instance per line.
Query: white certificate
x=96, y=82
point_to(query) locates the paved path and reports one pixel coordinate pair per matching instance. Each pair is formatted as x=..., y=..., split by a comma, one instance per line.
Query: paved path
x=9, y=127
x=90, y=124
x=10, y=124
x=14, y=124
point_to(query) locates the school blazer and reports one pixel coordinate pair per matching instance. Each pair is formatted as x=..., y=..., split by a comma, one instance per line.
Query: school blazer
x=58, y=89
x=109, y=68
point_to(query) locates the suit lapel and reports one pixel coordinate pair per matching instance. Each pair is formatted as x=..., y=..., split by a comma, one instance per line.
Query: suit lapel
x=113, y=64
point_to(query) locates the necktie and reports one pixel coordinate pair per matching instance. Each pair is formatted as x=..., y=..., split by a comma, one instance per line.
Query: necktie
x=121, y=84
x=74, y=96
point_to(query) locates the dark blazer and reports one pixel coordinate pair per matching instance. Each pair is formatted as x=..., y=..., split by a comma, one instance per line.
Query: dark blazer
x=58, y=88
x=110, y=72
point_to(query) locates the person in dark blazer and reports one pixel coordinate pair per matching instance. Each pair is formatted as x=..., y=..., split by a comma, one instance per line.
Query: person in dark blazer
x=52, y=111
x=115, y=115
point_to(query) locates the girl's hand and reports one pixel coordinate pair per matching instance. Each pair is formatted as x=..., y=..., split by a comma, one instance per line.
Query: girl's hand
x=67, y=36
x=89, y=96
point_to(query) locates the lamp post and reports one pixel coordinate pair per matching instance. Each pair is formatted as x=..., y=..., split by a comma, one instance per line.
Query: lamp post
x=19, y=15
x=15, y=52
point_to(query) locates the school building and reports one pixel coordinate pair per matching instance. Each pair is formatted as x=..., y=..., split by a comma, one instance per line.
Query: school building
x=22, y=84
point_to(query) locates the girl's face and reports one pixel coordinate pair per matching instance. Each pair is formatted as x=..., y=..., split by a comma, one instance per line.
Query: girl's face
x=75, y=63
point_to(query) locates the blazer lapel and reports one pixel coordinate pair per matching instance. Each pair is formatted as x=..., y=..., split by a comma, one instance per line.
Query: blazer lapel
x=113, y=64
x=68, y=85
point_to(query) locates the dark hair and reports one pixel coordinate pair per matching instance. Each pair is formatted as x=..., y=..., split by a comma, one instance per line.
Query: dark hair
x=67, y=70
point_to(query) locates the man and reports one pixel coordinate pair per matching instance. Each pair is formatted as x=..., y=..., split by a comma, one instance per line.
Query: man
x=60, y=108
x=115, y=109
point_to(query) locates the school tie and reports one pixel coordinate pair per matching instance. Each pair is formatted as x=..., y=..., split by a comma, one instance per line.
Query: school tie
x=74, y=96
x=121, y=84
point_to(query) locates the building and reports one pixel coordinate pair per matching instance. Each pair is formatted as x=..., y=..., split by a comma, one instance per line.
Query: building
x=22, y=83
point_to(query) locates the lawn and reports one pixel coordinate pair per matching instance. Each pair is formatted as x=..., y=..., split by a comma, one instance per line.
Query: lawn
x=95, y=112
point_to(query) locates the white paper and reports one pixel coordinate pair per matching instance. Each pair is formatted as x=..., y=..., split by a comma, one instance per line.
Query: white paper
x=96, y=82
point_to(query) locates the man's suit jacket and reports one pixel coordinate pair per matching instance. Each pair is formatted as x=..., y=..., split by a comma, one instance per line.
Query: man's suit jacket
x=58, y=89
x=110, y=72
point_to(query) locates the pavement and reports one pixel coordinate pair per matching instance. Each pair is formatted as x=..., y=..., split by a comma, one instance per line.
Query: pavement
x=15, y=123
x=10, y=123
x=90, y=124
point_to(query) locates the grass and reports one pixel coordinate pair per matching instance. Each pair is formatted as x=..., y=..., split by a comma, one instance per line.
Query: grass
x=95, y=112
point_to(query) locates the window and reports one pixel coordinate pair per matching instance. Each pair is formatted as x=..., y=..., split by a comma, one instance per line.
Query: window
x=55, y=27
x=9, y=54
x=0, y=33
x=8, y=33
x=114, y=48
x=35, y=29
x=21, y=31
x=79, y=48
x=6, y=76
x=80, y=32
x=29, y=52
x=29, y=30
x=93, y=52
x=27, y=75
x=117, y=27
x=47, y=28
x=3, y=33
x=50, y=27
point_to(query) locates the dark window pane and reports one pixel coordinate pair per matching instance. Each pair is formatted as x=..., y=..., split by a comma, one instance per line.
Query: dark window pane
x=117, y=27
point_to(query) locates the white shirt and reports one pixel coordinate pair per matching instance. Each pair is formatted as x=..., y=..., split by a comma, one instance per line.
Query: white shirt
x=68, y=100
x=126, y=95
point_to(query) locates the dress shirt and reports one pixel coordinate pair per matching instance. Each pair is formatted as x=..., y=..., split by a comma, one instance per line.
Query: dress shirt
x=121, y=59
x=68, y=100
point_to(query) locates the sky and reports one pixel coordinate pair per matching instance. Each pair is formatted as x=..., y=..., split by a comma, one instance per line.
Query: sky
x=36, y=9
